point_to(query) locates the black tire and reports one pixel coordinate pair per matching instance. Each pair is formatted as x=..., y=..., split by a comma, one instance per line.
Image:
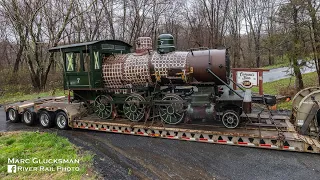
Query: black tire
x=46, y=119
x=62, y=120
x=230, y=119
x=13, y=115
x=29, y=117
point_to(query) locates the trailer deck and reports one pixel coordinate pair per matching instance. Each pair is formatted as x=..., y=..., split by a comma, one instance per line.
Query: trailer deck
x=279, y=134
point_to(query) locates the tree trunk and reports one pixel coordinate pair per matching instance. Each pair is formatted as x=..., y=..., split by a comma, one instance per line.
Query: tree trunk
x=18, y=59
x=299, y=82
x=316, y=34
x=269, y=57
x=22, y=44
x=257, y=53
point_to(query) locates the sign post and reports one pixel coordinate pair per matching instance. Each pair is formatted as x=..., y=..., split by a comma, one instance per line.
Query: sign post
x=248, y=77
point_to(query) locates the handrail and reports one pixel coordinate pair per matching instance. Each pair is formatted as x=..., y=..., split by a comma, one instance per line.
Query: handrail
x=212, y=73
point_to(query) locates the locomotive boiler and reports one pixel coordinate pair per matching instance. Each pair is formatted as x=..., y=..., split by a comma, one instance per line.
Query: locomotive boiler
x=165, y=66
x=165, y=84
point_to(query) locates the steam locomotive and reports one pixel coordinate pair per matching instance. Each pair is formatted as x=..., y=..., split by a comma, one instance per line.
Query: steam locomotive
x=170, y=85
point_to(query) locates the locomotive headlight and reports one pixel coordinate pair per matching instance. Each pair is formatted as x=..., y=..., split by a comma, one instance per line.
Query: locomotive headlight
x=300, y=122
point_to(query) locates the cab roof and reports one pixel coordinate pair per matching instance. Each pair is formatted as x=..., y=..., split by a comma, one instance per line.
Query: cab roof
x=83, y=44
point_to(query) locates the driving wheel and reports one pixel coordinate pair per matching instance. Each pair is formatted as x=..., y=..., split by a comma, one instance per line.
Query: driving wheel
x=103, y=106
x=173, y=111
x=134, y=107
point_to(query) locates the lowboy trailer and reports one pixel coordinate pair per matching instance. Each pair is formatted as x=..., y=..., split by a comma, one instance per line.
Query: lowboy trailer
x=265, y=130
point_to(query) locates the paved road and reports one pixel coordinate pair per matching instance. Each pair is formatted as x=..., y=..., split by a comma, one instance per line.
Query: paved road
x=133, y=157
x=285, y=72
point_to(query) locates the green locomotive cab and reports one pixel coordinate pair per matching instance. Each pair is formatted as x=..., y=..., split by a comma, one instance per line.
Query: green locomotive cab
x=82, y=64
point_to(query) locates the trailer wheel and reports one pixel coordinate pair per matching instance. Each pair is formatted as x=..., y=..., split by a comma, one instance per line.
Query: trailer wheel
x=230, y=119
x=13, y=115
x=46, y=119
x=62, y=120
x=29, y=117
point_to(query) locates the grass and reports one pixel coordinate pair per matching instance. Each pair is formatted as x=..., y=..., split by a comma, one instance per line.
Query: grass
x=43, y=146
x=18, y=86
x=286, y=87
x=276, y=66
x=277, y=87
x=283, y=61
x=19, y=96
x=279, y=61
x=285, y=105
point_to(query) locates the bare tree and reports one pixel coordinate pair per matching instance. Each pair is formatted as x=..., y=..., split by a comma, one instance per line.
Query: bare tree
x=313, y=8
x=270, y=28
x=216, y=12
x=255, y=31
x=15, y=12
x=254, y=12
x=38, y=59
x=235, y=17
x=108, y=9
x=296, y=45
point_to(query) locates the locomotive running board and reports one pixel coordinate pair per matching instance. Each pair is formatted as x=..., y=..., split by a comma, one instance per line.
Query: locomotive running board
x=292, y=141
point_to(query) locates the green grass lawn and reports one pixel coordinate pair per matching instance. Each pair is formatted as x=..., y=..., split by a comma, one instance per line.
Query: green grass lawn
x=275, y=87
x=276, y=66
x=43, y=146
x=19, y=96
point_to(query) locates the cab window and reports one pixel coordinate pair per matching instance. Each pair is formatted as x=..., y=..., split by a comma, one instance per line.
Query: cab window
x=77, y=61
x=86, y=64
x=73, y=62
x=96, y=60
x=69, y=62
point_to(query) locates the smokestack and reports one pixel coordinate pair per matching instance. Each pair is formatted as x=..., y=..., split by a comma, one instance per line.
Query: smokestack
x=143, y=44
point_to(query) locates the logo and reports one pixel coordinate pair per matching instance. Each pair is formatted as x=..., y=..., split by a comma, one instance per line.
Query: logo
x=247, y=84
x=12, y=168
